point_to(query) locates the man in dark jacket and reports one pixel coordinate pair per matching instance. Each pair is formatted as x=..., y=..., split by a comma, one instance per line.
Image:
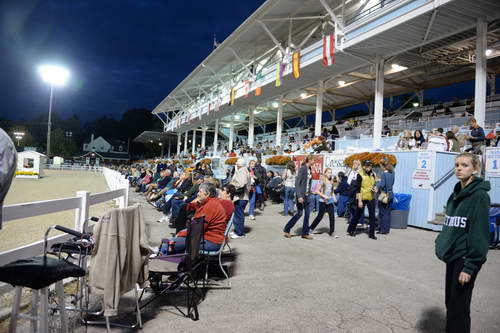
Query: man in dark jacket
x=476, y=137
x=261, y=180
x=304, y=199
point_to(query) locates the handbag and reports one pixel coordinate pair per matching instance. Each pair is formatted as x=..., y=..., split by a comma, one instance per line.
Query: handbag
x=383, y=196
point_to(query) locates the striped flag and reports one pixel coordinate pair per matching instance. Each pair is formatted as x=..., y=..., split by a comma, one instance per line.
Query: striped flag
x=279, y=73
x=296, y=64
x=328, y=50
x=233, y=96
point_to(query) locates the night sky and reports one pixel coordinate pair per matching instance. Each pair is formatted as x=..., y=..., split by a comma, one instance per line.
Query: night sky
x=122, y=54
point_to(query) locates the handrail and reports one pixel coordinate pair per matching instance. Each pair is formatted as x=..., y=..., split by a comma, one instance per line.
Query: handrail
x=443, y=179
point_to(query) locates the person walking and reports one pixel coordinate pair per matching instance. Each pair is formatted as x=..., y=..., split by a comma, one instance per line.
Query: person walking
x=464, y=239
x=365, y=197
x=304, y=199
x=242, y=182
x=289, y=176
x=260, y=183
x=342, y=191
x=387, y=195
x=354, y=181
x=327, y=202
x=253, y=190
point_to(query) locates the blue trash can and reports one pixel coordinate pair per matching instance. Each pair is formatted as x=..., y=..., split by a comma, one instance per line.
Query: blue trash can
x=494, y=226
x=400, y=210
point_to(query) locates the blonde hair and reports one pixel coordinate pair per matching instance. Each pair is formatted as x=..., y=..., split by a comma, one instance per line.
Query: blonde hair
x=474, y=159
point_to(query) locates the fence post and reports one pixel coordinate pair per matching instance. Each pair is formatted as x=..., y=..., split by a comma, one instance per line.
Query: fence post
x=82, y=213
x=125, y=186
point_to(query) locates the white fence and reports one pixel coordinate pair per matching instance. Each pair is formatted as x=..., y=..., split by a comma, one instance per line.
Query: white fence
x=118, y=186
x=74, y=167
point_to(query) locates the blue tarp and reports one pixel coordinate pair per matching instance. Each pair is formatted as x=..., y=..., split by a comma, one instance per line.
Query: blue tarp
x=401, y=201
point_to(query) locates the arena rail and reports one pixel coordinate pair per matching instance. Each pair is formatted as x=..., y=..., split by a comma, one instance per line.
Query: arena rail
x=118, y=190
x=74, y=167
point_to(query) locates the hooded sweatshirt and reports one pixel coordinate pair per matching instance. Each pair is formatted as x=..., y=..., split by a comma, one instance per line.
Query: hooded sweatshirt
x=465, y=231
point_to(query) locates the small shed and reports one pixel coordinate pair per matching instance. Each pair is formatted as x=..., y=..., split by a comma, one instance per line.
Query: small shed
x=57, y=160
x=30, y=164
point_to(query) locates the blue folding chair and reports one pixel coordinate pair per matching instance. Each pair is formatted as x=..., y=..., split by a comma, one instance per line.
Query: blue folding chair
x=218, y=254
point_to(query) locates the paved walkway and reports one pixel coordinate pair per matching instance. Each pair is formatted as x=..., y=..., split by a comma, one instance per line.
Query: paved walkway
x=394, y=284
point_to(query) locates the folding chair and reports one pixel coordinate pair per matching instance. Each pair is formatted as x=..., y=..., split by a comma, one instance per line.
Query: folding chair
x=209, y=255
x=180, y=268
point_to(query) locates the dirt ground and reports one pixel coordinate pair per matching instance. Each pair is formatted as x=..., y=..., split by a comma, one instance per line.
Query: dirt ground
x=55, y=185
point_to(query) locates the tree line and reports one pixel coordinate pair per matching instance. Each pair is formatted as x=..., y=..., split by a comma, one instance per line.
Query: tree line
x=69, y=134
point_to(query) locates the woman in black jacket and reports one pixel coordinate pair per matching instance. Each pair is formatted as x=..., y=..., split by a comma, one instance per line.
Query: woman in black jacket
x=463, y=242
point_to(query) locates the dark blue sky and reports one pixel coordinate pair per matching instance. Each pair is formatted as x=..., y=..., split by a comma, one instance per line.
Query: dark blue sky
x=122, y=54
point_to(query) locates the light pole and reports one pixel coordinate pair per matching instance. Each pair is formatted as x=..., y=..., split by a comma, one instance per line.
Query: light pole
x=161, y=145
x=18, y=136
x=55, y=76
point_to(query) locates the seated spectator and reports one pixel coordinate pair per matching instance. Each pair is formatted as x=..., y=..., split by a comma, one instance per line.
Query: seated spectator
x=180, y=200
x=453, y=144
x=206, y=205
x=476, y=136
x=406, y=141
x=226, y=197
x=447, y=111
x=164, y=177
x=386, y=131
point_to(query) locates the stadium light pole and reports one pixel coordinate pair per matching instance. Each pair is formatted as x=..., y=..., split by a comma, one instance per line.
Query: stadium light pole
x=55, y=76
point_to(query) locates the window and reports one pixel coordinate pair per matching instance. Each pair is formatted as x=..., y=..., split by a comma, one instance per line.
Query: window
x=28, y=163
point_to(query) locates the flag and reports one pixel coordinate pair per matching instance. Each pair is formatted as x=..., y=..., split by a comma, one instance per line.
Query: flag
x=247, y=88
x=258, y=91
x=328, y=50
x=296, y=64
x=233, y=96
x=279, y=74
x=217, y=105
x=208, y=111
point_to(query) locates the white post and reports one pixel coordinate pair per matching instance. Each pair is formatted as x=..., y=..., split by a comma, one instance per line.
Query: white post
x=231, y=133
x=319, y=109
x=203, y=136
x=279, y=122
x=379, y=102
x=82, y=213
x=193, y=147
x=251, y=125
x=179, y=143
x=480, y=91
x=186, y=142
x=216, y=136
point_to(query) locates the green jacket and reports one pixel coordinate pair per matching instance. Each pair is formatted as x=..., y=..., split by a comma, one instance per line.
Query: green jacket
x=465, y=231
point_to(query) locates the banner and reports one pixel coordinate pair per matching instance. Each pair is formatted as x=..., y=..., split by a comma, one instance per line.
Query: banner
x=296, y=64
x=336, y=163
x=316, y=168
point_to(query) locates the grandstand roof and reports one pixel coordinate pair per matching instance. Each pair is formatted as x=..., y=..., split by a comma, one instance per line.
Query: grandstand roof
x=433, y=43
x=153, y=136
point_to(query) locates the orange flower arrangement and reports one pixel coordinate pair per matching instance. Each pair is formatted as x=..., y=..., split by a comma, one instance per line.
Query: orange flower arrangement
x=187, y=162
x=278, y=160
x=175, y=161
x=231, y=161
x=316, y=141
x=375, y=158
x=206, y=161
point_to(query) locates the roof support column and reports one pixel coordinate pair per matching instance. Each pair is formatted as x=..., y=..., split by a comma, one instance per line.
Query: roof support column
x=203, y=136
x=186, y=142
x=179, y=143
x=251, y=125
x=480, y=89
x=279, y=122
x=193, y=147
x=319, y=109
x=420, y=95
x=231, y=133
x=379, y=102
x=216, y=136
x=169, y=147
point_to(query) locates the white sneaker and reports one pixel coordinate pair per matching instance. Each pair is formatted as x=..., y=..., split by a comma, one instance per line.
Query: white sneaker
x=163, y=219
x=235, y=236
x=251, y=217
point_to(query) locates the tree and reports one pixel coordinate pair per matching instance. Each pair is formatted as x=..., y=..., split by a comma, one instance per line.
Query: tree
x=61, y=145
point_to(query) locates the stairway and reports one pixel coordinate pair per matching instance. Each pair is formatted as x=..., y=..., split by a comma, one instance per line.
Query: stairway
x=439, y=219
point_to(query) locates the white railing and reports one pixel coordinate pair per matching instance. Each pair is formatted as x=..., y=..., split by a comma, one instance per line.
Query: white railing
x=74, y=167
x=118, y=186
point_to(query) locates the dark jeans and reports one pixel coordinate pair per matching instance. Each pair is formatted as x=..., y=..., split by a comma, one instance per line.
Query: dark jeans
x=359, y=212
x=177, y=205
x=239, y=217
x=302, y=208
x=167, y=207
x=384, y=216
x=330, y=209
x=342, y=205
x=458, y=299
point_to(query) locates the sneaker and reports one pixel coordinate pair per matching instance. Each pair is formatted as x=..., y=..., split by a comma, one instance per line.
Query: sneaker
x=251, y=217
x=311, y=231
x=287, y=235
x=162, y=219
x=307, y=237
x=235, y=236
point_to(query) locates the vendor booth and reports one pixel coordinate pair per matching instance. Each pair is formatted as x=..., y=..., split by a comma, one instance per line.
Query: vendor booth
x=30, y=164
x=57, y=161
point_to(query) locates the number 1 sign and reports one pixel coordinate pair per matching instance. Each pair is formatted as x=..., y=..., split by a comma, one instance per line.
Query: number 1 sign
x=492, y=162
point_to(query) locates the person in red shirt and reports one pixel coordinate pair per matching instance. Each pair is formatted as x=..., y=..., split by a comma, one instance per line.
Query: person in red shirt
x=208, y=206
x=226, y=198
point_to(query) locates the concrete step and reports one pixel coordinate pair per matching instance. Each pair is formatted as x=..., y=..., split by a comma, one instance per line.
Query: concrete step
x=435, y=222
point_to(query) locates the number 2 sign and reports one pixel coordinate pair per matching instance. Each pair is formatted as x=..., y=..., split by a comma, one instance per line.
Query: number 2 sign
x=424, y=160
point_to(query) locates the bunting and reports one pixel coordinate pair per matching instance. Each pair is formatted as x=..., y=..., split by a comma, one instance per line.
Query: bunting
x=328, y=50
x=258, y=91
x=296, y=64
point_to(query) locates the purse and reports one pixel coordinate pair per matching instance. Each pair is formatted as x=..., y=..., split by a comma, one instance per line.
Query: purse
x=383, y=197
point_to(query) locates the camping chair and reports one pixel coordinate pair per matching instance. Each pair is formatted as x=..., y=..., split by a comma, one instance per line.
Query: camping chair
x=180, y=270
x=218, y=254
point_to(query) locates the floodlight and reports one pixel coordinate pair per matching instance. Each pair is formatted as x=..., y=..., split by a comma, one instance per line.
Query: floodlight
x=54, y=75
x=303, y=95
x=398, y=68
x=341, y=83
x=237, y=117
x=275, y=104
x=488, y=52
x=415, y=104
x=160, y=144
